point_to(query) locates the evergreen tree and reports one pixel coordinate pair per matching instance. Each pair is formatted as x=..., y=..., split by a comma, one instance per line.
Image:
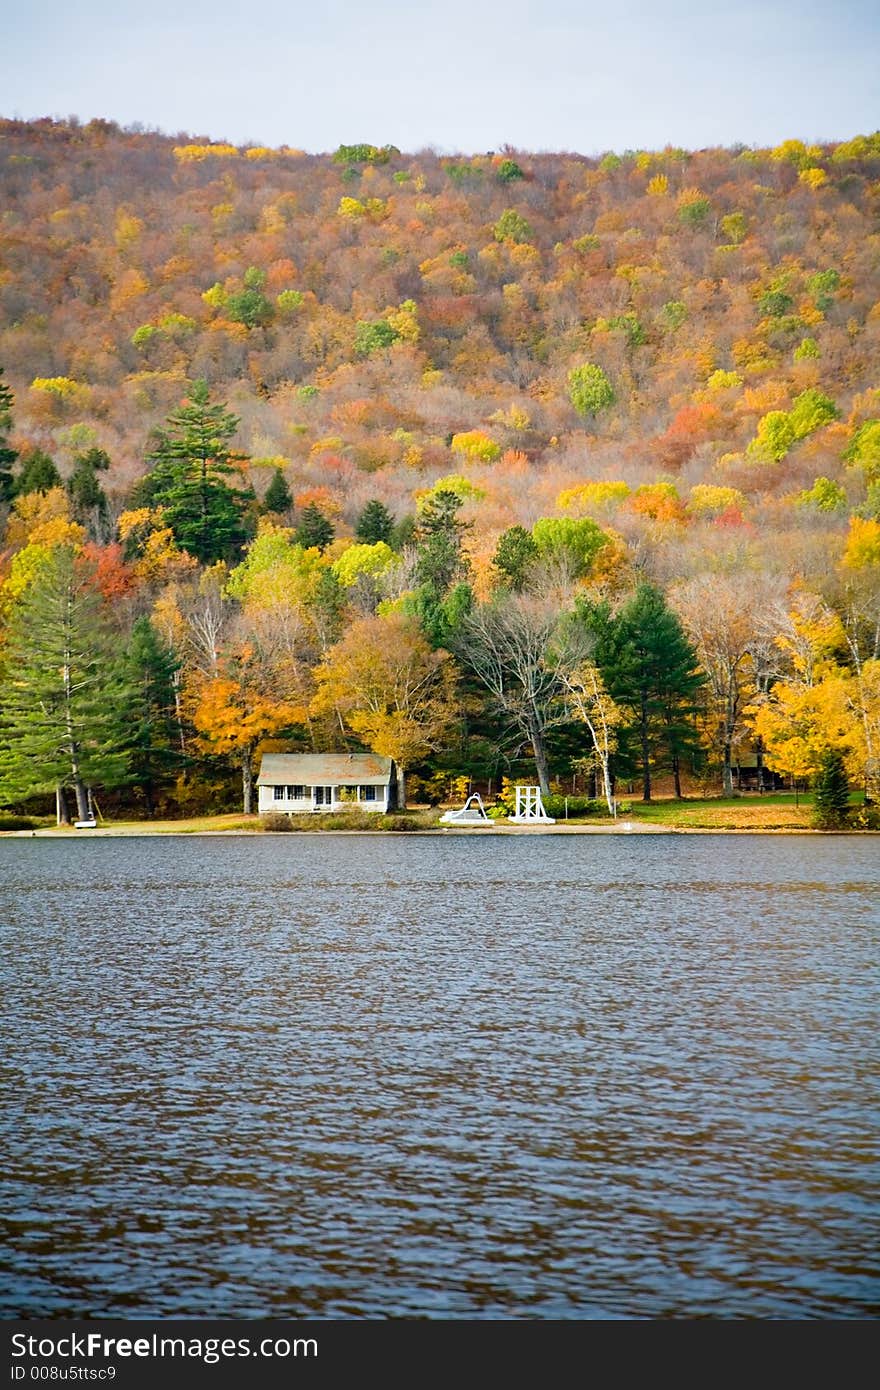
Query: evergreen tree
x=404, y=533
x=514, y=556
x=193, y=458
x=326, y=608
x=7, y=454
x=38, y=474
x=649, y=667
x=87, y=498
x=441, y=619
x=375, y=523
x=314, y=529
x=153, y=743
x=831, y=792
x=64, y=700
x=278, y=498
x=439, y=535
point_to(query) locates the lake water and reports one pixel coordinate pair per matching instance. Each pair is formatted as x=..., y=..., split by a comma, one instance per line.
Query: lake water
x=535, y=1076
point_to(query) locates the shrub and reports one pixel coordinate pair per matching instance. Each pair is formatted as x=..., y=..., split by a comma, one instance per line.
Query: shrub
x=399, y=822
x=275, y=821
x=577, y=806
x=17, y=823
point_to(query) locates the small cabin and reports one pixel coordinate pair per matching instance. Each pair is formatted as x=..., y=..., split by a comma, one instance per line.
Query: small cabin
x=751, y=775
x=297, y=783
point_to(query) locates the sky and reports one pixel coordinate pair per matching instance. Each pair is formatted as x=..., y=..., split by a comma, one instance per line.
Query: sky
x=455, y=76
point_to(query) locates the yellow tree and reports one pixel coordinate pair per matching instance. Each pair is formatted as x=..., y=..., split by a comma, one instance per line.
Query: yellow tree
x=391, y=688
x=808, y=709
x=863, y=697
x=859, y=603
x=798, y=723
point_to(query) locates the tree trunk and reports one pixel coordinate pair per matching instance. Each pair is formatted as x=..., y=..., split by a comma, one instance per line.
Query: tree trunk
x=396, y=788
x=676, y=776
x=759, y=764
x=607, y=786
x=247, y=780
x=540, y=754
x=178, y=716
x=62, y=810
x=727, y=771
x=82, y=802
x=83, y=810
x=646, y=750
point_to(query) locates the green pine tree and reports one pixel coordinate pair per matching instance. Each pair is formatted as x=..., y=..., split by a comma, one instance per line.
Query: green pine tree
x=278, y=498
x=193, y=459
x=37, y=474
x=7, y=454
x=87, y=498
x=650, y=668
x=374, y=524
x=313, y=529
x=515, y=555
x=64, y=698
x=154, y=745
x=440, y=560
x=831, y=792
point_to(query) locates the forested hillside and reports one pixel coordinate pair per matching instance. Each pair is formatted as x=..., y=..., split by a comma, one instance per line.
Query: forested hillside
x=582, y=456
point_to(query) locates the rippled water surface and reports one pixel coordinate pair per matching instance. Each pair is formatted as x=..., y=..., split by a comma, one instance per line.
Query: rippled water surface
x=381, y=1076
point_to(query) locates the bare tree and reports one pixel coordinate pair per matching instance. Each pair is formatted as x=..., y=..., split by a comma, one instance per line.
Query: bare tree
x=519, y=647
x=724, y=615
x=207, y=614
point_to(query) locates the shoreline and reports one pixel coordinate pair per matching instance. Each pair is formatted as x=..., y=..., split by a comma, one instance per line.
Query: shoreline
x=627, y=828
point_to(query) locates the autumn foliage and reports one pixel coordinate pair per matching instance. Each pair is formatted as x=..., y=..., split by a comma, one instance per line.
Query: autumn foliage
x=657, y=366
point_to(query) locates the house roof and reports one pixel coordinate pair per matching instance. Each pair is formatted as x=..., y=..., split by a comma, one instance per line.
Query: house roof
x=313, y=769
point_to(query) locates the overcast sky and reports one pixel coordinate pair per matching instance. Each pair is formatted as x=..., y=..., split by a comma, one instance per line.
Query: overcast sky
x=456, y=75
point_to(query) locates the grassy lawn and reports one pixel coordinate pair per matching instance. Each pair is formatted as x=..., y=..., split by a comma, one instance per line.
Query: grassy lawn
x=773, y=811
x=236, y=823
x=191, y=825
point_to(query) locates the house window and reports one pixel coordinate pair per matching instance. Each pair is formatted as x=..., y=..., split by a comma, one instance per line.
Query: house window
x=368, y=793
x=323, y=796
x=296, y=793
x=278, y=793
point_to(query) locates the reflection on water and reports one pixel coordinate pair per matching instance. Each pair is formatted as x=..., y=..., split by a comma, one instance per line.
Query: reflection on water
x=358, y=1076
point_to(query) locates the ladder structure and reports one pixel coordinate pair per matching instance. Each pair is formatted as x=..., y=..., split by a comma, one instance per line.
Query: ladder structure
x=530, y=808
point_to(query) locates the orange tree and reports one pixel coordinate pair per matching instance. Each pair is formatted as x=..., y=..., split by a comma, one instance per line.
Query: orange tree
x=236, y=709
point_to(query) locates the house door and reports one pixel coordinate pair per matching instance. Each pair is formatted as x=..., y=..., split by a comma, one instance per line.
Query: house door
x=323, y=796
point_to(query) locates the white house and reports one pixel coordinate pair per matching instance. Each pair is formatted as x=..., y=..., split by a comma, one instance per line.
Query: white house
x=298, y=782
